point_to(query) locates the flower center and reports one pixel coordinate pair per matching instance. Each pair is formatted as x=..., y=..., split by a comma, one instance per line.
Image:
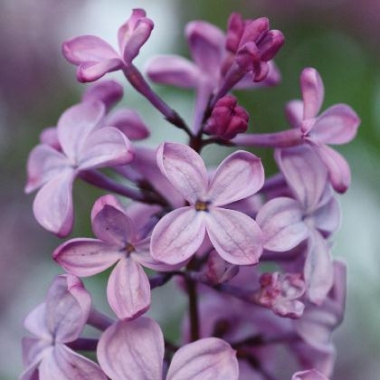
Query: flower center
x=201, y=206
x=129, y=248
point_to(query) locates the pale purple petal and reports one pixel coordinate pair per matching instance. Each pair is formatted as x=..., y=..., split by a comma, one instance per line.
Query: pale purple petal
x=113, y=226
x=337, y=125
x=33, y=350
x=109, y=92
x=35, y=323
x=206, y=43
x=337, y=166
x=64, y=363
x=87, y=48
x=75, y=125
x=125, y=31
x=91, y=71
x=86, y=257
x=185, y=169
x=129, y=122
x=239, y=175
x=132, y=350
x=206, y=359
x=293, y=113
x=68, y=305
x=234, y=235
x=128, y=289
x=281, y=221
x=105, y=200
x=178, y=235
x=53, y=204
x=44, y=163
x=319, y=270
x=174, y=71
x=311, y=374
x=312, y=92
x=49, y=136
x=305, y=174
x=327, y=218
x=105, y=147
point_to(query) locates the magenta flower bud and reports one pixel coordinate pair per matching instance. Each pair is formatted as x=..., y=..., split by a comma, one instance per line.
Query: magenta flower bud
x=227, y=119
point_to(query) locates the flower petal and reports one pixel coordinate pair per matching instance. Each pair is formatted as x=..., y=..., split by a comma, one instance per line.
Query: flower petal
x=128, y=289
x=239, y=175
x=129, y=122
x=206, y=359
x=44, y=163
x=105, y=200
x=185, y=169
x=91, y=71
x=86, y=257
x=132, y=350
x=327, y=218
x=293, y=113
x=53, y=204
x=64, y=363
x=178, y=235
x=105, y=147
x=337, y=125
x=312, y=92
x=310, y=374
x=75, y=125
x=109, y=92
x=35, y=322
x=174, y=71
x=281, y=221
x=234, y=235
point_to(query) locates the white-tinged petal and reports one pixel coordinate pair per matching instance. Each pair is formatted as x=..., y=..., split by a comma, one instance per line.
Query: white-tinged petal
x=281, y=220
x=319, y=270
x=86, y=257
x=234, y=235
x=75, y=125
x=185, y=169
x=178, y=235
x=35, y=322
x=239, y=176
x=105, y=147
x=128, y=289
x=53, y=204
x=206, y=359
x=44, y=163
x=64, y=363
x=132, y=350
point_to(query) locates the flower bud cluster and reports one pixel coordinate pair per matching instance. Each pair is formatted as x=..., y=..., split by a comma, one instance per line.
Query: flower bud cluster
x=216, y=231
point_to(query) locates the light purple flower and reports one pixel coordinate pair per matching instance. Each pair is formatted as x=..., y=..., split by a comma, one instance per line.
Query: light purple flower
x=86, y=144
x=312, y=215
x=337, y=125
x=118, y=242
x=95, y=57
x=234, y=235
x=134, y=350
x=54, y=323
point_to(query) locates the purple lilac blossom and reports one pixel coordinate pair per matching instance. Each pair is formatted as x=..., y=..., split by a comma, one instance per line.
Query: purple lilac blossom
x=54, y=323
x=235, y=236
x=134, y=350
x=86, y=144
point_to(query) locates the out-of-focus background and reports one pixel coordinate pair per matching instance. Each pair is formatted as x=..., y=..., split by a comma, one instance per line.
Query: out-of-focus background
x=338, y=37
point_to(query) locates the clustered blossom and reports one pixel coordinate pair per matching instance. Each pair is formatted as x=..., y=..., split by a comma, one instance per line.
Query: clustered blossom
x=214, y=230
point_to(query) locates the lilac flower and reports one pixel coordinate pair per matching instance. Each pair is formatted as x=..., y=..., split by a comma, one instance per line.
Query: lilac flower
x=54, y=323
x=134, y=350
x=95, y=57
x=310, y=374
x=235, y=236
x=313, y=214
x=337, y=125
x=281, y=292
x=86, y=144
x=118, y=241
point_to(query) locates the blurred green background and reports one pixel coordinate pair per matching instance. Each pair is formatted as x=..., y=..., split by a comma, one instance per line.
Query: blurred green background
x=340, y=38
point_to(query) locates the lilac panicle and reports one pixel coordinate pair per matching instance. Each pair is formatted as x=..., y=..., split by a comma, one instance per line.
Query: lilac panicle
x=234, y=235
x=117, y=242
x=59, y=320
x=86, y=144
x=134, y=350
x=95, y=57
